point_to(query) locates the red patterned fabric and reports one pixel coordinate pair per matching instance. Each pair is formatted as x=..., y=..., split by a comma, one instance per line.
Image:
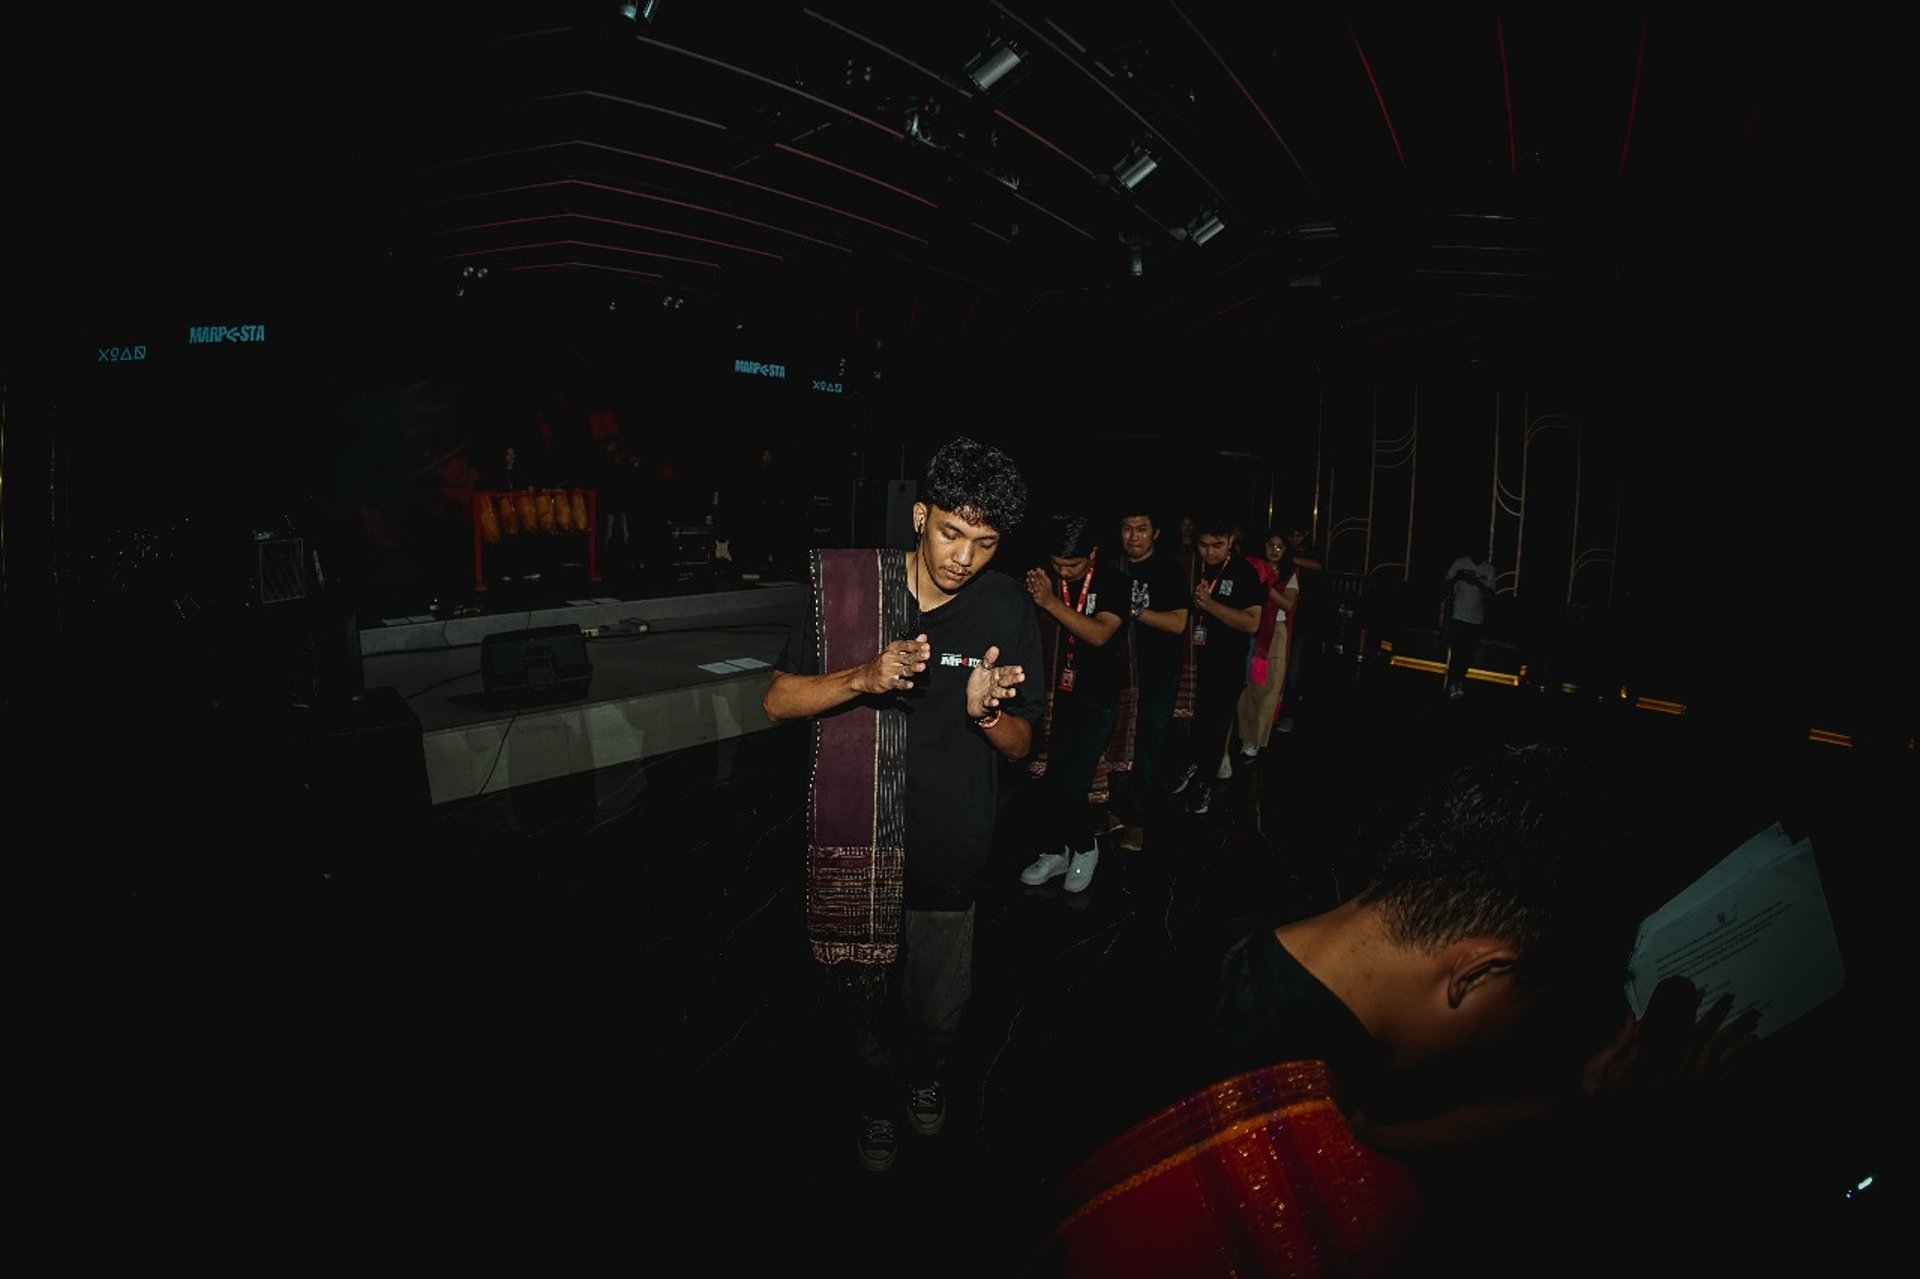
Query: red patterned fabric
x=1259, y=1175
x=1183, y=700
x=1119, y=753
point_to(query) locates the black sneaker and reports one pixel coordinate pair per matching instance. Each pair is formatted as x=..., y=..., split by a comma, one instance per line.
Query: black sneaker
x=927, y=1108
x=1200, y=800
x=1185, y=779
x=876, y=1144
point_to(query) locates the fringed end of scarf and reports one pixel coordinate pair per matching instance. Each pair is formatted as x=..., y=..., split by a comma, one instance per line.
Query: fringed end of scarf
x=861, y=956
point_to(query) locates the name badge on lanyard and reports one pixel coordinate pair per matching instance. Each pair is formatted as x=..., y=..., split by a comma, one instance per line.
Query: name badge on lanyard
x=1079, y=606
x=1200, y=619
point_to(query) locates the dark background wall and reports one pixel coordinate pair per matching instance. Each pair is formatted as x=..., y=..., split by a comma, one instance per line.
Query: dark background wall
x=1733, y=505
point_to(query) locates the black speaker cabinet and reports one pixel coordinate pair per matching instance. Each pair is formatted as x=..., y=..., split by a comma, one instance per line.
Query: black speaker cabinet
x=883, y=514
x=545, y=664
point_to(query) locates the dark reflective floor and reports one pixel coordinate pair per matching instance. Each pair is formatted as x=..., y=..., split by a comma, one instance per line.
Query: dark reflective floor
x=577, y=1023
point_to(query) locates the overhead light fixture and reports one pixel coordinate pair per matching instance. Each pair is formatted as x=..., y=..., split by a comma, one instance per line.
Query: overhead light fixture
x=991, y=67
x=922, y=122
x=1205, y=227
x=640, y=11
x=1133, y=170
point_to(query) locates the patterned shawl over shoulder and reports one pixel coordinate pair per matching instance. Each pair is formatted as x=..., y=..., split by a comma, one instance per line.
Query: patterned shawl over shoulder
x=856, y=816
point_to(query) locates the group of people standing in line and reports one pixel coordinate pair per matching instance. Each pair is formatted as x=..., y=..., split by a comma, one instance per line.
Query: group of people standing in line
x=925, y=674
x=1137, y=641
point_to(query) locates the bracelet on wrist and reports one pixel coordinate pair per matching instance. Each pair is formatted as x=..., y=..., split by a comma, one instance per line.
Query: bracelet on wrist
x=988, y=720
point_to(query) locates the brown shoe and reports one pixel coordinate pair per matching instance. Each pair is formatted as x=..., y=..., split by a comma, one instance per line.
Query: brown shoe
x=1133, y=838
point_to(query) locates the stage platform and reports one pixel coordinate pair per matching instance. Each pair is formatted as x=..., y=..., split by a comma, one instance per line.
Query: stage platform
x=666, y=673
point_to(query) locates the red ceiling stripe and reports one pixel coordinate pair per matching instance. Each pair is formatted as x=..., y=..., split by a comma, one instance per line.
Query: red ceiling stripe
x=757, y=186
x=631, y=226
x=1506, y=89
x=1378, y=97
x=1254, y=103
x=1034, y=134
x=852, y=172
x=1633, y=99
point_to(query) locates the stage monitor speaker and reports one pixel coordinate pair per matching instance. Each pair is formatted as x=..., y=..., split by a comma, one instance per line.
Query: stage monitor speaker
x=883, y=514
x=900, y=494
x=545, y=664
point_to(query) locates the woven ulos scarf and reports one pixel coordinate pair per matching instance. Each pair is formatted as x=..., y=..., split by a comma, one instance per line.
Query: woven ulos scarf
x=857, y=812
x=1189, y=679
x=1118, y=755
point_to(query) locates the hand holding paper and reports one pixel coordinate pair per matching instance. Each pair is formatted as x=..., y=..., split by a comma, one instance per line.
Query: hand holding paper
x=1753, y=933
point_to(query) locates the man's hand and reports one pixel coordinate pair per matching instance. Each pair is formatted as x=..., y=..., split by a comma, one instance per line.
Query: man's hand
x=893, y=667
x=1672, y=1043
x=989, y=683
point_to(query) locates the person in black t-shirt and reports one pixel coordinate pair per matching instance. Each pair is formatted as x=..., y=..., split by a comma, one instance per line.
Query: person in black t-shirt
x=1226, y=604
x=1159, y=605
x=953, y=677
x=1474, y=980
x=1085, y=604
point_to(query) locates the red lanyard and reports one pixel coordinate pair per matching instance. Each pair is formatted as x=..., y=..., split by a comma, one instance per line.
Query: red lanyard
x=1086, y=583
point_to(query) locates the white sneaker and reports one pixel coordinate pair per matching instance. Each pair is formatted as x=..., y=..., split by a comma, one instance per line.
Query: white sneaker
x=1080, y=873
x=1046, y=866
x=1285, y=725
x=1248, y=750
x=1224, y=773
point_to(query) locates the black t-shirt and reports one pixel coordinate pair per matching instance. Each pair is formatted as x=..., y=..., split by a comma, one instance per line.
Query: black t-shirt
x=1159, y=582
x=1268, y=1008
x=1224, y=655
x=1096, y=667
x=953, y=772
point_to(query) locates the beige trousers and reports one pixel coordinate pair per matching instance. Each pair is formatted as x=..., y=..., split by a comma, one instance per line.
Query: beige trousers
x=1260, y=700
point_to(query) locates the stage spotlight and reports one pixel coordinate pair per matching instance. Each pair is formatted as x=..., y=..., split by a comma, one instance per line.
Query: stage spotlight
x=1133, y=170
x=1136, y=267
x=642, y=11
x=991, y=67
x=1205, y=227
